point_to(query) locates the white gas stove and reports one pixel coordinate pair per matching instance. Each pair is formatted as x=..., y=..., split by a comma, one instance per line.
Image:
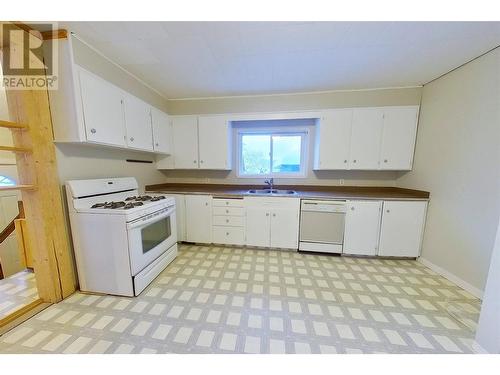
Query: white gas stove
x=122, y=240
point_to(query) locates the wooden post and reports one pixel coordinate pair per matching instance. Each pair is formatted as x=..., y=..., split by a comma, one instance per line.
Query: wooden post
x=46, y=228
x=43, y=205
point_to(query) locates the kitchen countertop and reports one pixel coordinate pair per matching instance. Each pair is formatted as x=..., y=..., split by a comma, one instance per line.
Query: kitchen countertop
x=303, y=191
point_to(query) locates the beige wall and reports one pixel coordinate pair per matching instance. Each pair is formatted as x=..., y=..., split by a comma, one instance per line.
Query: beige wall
x=80, y=162
x=294, y=102
x=458, y=160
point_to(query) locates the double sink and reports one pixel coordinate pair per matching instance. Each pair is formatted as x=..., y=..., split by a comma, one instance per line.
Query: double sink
x=271, y=192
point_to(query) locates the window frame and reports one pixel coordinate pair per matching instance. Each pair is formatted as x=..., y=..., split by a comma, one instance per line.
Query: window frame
x=303, y=132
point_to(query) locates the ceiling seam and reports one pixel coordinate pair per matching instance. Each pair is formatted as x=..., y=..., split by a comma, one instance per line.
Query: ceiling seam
x=298, y=93
x=459, y=66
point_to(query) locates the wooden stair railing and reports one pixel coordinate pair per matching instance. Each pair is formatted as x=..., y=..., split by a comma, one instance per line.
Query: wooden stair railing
x=11, y=227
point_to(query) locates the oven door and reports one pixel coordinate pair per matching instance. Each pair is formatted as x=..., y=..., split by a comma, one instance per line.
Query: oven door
x=150, y=237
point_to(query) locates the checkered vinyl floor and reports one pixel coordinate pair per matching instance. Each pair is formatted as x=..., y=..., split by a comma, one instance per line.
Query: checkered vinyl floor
x=17, y=291
x=236, y=300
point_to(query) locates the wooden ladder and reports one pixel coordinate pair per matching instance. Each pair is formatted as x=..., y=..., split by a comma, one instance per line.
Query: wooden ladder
x=15, y=127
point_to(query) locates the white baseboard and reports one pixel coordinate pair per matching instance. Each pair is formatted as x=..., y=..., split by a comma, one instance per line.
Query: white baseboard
x=453, y=278
x=478, y=349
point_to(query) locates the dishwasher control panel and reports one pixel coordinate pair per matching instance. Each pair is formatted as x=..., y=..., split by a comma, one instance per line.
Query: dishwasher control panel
x=323, y=206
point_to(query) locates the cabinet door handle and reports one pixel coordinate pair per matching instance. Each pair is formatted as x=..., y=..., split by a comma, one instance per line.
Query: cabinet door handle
x=201, y=161
x=388, y=211
x=354, y=161
x=352, y=208
x=227, y=233
x=194, y=161
x=206, y=203
x=267, y=213
x=156, y=144
x=274, y=215
x=93, y=131
x=227, y=220
x=385, y=160
x=345, y=160
x=227, y=211
x=131, y=139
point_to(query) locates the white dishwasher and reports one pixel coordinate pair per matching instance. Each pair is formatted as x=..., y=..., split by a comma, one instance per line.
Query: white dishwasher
x=322, y=225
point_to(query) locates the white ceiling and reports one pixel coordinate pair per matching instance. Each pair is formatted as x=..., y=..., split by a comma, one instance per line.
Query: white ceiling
x=200, y=59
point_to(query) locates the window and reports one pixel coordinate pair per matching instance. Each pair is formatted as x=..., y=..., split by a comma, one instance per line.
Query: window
x=272, y=153
x=6, y=181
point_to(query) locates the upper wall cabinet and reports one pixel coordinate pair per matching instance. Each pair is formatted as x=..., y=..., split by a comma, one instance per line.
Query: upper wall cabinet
x=214, y=134
x=138, y=124
x=333, y=139
x=380, y=138
x=102, y=109
x=185, y=142
x=366, y=135
x=162, y=132
x=398, y=138
x=88, y=109
x=202, y=142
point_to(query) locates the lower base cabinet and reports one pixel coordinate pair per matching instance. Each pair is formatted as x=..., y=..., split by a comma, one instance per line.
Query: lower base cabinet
x=198, y=218
x=272, y=222
x=402, y=228
x=180, y=216
x=228, y=235
x=228, y=221
x=258, y=226
x=384, y=228
x=362, y=226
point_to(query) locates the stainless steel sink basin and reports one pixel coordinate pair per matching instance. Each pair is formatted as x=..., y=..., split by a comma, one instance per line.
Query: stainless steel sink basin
x=271, y=191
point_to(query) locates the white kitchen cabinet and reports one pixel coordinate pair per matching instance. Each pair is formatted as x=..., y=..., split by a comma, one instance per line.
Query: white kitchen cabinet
x=199, y=143
x=285, y=228
x=214, y=140
x=272, y=222
x=258, y=227
x=89, y=109
x=138, y=123
x=333, y=140
x=180, y=216
x=362, y=226
x=228, y=221
x=398, y=138
x=102, y=107
x=198, y=218
x=402, y=228
x=185, y=142
x=162, y=131
x=366, y=136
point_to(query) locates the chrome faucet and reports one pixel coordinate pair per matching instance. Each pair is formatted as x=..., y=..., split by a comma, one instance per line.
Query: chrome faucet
x=270, y=182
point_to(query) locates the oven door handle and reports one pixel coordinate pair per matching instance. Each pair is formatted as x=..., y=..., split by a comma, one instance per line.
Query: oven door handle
x=158, y=216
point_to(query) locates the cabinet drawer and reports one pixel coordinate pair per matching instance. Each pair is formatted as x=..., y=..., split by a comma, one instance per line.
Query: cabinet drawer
x=230, y=221
x=219, y=202
x=228, y=235
x=229, y=211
